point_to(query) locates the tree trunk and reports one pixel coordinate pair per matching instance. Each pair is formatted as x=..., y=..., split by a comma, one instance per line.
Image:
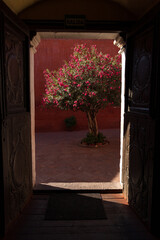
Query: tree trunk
x=92, y=122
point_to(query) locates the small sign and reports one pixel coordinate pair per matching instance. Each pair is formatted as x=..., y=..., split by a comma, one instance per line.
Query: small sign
x=75, y=21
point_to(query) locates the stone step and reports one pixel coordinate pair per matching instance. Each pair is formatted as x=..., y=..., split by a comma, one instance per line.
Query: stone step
x=108, y=187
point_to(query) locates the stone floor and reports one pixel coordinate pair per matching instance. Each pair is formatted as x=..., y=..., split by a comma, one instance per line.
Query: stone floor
x=62, y=162
x=121, y=223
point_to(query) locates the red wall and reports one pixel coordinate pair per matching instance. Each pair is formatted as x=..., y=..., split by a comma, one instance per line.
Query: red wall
x=51, y=54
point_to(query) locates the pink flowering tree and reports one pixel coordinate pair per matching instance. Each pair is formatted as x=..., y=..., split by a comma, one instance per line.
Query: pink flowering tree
x=88, y=82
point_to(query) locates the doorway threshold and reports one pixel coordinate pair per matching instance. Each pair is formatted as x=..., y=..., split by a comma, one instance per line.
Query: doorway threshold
x=107, y=187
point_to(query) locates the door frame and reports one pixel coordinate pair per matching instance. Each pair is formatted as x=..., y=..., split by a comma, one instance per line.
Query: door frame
x=89, y=26
x=120, y=43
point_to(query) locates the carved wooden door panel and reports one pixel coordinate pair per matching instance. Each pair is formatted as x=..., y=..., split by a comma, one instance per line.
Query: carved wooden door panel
x=15, y=115
x=139, y=125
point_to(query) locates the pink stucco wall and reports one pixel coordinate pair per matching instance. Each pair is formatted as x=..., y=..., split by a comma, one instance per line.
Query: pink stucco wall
x=51, y=54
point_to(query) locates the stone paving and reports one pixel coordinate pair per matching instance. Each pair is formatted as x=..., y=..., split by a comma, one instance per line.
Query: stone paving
x=61, y=159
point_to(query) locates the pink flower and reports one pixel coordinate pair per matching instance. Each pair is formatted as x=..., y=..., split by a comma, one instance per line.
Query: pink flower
x=76, y=76
x=61, y=84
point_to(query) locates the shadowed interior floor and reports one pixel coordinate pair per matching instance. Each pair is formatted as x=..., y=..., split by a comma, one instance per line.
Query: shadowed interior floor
x=75, y=206
x=121, y=223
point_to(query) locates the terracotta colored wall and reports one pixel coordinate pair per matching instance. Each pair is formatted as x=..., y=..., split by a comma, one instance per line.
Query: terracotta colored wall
x=47, y=120
x=51, y=54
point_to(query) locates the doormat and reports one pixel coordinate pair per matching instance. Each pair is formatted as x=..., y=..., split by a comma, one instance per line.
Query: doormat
x=75, y=206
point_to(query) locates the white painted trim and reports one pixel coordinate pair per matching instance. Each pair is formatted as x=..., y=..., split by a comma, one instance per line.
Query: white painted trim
x=76, y=35
x=33, y=44
x=123, y=55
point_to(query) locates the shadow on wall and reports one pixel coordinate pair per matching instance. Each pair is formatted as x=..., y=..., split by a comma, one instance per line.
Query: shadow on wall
x=54, y=120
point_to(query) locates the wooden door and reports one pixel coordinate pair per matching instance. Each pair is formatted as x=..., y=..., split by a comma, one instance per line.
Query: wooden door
x=16, y=172
x=139, y=120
